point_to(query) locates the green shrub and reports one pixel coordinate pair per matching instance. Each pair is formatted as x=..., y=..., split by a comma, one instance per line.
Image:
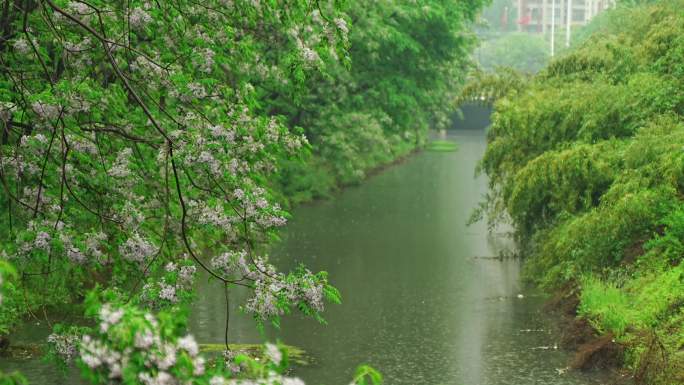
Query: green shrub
x=606, y=306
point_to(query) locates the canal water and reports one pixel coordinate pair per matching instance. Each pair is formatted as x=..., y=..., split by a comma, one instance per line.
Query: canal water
x=423, y=301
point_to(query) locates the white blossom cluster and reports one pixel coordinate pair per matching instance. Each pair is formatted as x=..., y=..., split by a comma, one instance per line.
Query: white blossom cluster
x=64, y=345
x=78, y=250
x=149, y=70
x=159, y=355
x=121, y=166
x=167, y=290
x=77, y=47
x=22, y=46
x=46, y=111
x=342, y=25
x=137, y=249
x=273, y=291
x=83, y=144
x=308, y=54
x=41, y=241
x=6, y=111
x=204, y=59
x=257, y=208
x=139, y=18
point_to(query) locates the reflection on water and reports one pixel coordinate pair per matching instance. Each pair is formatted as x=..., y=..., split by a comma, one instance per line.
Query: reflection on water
x=417, y=302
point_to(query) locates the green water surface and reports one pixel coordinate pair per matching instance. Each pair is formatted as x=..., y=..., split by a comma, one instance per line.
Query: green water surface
x=419, y=304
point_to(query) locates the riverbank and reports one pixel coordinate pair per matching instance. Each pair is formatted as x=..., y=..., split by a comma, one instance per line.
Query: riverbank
x=589, y=350
x=585, y=160
x=318, y=177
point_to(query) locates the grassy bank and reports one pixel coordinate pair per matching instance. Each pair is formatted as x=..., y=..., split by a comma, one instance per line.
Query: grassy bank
x=587, y=161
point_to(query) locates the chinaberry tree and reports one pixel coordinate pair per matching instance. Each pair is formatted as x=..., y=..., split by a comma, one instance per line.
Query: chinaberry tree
x=131, y=155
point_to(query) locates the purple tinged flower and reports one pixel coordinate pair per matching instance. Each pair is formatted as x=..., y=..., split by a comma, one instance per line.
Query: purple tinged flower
x=342, y=25
x=42, y=241
x=139, y=18
x=109, y=317
x=197, y=90
x=186, y=274
x=162, y=378
x=167, y=292
x=198, y=366
x=84, y=146
x=144, y=340
x=120, y=168
x=170, y=267
x=189, y=344
x=207, y=159
x=79, y=8
x=92, y=242
x=273, y=353
x=309, y=55
x=204, y=60
x=136, y=249
x=167, y=357
x=75, y=255
x=45, y=111
x=40, y=138
x=22, y=46
x=65, y=345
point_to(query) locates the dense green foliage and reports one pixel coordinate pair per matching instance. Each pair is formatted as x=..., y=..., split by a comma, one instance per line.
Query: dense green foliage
x=408, y=61
x=587, y=162
x=143, y=142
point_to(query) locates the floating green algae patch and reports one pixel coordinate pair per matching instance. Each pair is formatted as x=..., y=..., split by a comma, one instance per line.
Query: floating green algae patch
x=296, y=355
x=442, y=146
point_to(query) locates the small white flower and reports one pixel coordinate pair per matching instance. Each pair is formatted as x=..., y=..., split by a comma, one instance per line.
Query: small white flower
x=273, y=353
x=139, y=18
x=167, y=292
x=144, y=340
x=188, y=344
x=22, y=46
x=342, y=25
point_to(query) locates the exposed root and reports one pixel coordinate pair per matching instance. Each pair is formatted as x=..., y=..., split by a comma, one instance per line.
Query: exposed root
x=566, y=300
x=576, y=333
x=599, y=353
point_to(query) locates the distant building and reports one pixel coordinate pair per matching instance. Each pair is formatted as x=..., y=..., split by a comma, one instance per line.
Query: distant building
x=534, y=16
